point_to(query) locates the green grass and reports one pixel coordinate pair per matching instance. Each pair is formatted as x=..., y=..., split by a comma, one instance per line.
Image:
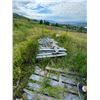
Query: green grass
x=25, y=47
x=56, y=92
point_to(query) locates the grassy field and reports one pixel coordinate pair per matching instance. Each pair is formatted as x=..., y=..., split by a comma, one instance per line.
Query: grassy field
x=25, y=47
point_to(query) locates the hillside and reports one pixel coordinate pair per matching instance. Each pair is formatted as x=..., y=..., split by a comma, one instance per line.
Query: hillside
x=25, y=47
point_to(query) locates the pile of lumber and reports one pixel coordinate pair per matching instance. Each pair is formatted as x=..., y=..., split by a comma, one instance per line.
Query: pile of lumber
x=48, y=48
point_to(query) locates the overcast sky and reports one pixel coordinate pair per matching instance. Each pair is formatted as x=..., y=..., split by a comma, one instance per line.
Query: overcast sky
x=55, y=10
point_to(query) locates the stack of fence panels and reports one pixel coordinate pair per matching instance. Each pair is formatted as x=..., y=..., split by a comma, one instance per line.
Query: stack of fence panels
x=48, y=48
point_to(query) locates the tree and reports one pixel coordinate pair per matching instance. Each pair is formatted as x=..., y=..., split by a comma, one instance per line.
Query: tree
x=41, y=22
x=82, y=29
x=56, y=24
x=46, y=22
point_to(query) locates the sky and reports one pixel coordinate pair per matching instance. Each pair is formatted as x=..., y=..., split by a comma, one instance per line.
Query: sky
x=53, y=10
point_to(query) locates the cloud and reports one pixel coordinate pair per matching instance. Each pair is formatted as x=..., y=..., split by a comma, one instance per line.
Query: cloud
x=56, y=10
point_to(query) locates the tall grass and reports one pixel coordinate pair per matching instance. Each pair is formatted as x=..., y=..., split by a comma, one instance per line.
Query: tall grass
x=25, y=47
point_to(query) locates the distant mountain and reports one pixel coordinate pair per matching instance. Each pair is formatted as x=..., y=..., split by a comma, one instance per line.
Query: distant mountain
x=83, y=24
x=74, y=23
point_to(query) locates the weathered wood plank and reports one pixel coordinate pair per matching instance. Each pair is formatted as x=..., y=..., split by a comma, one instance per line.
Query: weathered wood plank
x=52, y=55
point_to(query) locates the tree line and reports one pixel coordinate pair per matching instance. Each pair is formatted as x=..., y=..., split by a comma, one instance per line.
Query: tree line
x=68, y=27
